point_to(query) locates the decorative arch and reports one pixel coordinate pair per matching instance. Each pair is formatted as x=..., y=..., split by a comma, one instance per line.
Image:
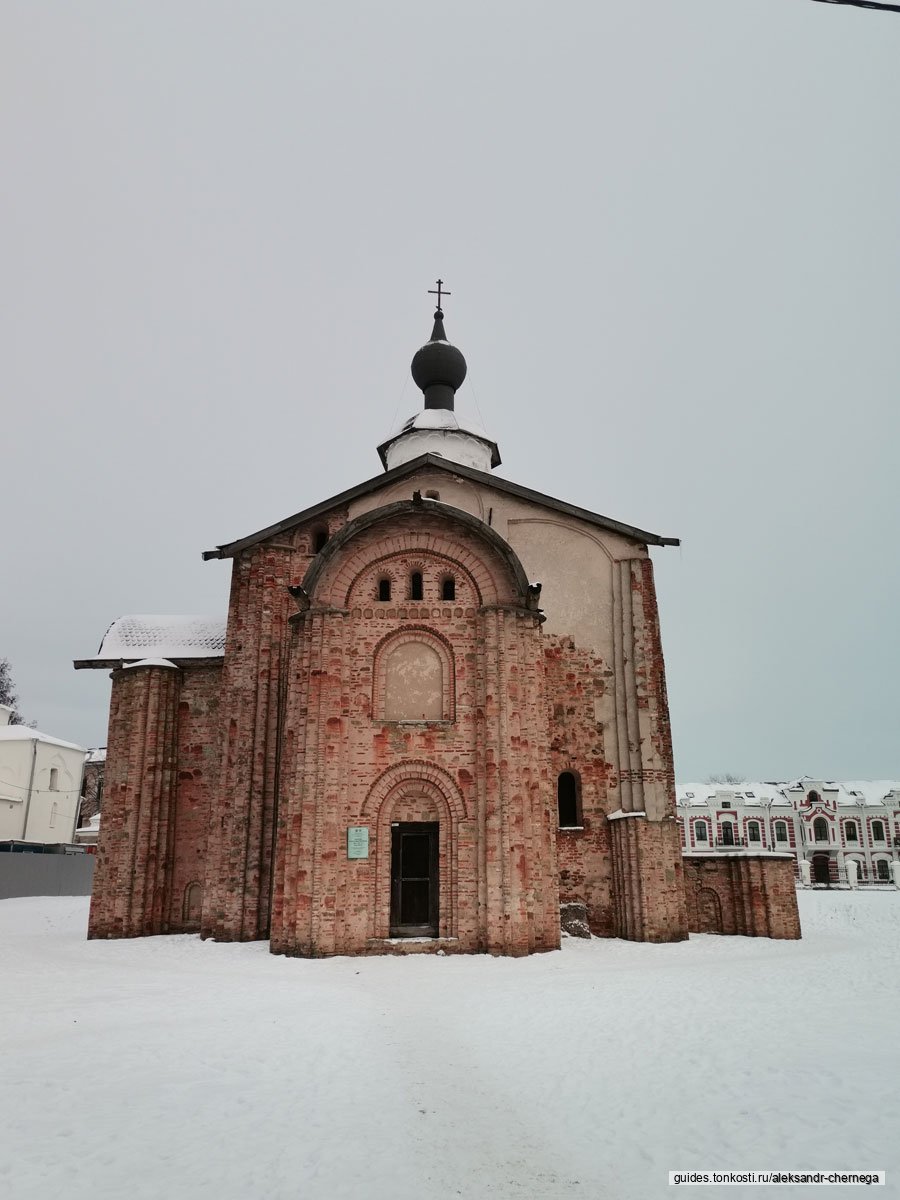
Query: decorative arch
x=709, y=910
x=406, y=776
x=508, y=575
x=432, y=565
x=408, y=636
x=411, y=792
x=193, y=900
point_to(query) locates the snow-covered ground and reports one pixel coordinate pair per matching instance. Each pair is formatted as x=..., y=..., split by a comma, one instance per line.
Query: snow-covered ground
x=175, y=1068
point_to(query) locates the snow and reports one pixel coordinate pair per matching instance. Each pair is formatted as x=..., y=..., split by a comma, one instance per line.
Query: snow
x=24, y=733
x=440, y=418
x=162, y=637
x=151, y=662
x=173, y=1067
x=869, y=792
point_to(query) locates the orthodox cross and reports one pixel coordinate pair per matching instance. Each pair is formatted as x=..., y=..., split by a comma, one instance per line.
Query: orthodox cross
x=439, y=293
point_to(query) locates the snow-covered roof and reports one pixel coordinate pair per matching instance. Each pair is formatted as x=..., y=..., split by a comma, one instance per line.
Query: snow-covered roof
x=845, y=794
x=97, y=754
x=24, y=733
x=439, y=418
x=133, y=638
x=442, y=432
x=700, y=794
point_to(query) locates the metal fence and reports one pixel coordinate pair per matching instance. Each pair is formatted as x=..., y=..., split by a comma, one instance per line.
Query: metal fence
x=46, y=875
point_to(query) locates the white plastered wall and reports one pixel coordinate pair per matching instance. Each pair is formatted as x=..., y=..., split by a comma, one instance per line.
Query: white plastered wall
x=50, y=812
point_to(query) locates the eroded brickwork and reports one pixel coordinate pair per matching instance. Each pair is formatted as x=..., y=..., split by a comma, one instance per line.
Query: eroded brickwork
x=129, y=895
x=747, y=894
x=196, y=791
x=357, y=700
x=482, y=775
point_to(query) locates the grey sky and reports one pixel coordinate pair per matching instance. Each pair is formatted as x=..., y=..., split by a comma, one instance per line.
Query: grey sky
x=670, y=229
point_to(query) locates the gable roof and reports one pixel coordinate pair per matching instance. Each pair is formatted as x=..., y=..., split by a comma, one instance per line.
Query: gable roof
x=230, y=549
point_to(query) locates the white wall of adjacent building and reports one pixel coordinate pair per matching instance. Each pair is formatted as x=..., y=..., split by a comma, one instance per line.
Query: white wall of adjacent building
x=40, y=784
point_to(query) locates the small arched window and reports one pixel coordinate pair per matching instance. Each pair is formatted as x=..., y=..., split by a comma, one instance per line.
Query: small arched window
x=781, y=834
x=814, y=798
x=567, y=800
x=820, y=829
x=851, y=831
x=878, y=831
x=448, y=588
x=753, y=832
x=319, y=538
x=54, y=779
x=384, y=589
x=415, y=585
x=700, y=831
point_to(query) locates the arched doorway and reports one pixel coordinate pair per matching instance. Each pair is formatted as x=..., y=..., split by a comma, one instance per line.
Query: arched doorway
x=415, y=879
x=710, y=913
x=821, y=870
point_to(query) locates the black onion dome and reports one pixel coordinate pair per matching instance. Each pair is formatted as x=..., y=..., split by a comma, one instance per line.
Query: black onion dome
x=437, y=362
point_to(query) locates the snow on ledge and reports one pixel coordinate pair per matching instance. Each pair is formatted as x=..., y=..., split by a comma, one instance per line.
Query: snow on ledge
x=150, y=662
x=618, y=815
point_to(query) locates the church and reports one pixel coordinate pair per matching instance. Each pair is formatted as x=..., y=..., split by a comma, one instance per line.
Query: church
x=434, y=715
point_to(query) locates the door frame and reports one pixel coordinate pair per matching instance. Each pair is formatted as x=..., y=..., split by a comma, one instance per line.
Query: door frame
x=432, y=929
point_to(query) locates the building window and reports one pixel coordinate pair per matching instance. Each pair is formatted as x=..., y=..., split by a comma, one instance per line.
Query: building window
x=878, y=831
x=319, y=538
x=448, y=589
x=753, y=832
x=384, y=589
x=54, y=779
x=567, y=800
x=726, y=804
x=851, y=833
x=727, y=833
x=700, y=834
x=415, y=585
x=781, y=834
x=814, y=798
x=820, y=829
x=883, y=869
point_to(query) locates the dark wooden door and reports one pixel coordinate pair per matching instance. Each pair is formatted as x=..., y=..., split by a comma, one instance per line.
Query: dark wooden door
x=821, y=868
x=414, y=880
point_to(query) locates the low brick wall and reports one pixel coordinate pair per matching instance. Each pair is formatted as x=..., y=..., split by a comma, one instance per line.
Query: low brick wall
x=749, y=894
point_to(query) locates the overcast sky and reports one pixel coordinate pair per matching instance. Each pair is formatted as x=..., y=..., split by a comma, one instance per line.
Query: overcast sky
x=671, y=232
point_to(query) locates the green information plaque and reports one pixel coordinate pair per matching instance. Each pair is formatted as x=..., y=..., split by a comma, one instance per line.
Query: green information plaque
x=358, y=841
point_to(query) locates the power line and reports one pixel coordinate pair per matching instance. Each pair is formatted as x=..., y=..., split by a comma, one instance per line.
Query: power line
x=864, y=4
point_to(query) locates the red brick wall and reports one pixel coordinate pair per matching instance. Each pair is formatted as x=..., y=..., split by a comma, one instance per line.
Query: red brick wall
x=742, y=894
x=483, y=776
x=129, y=896
x=196, y=787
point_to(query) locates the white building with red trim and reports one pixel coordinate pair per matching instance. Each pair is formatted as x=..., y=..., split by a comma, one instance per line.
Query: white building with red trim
x=825, y=824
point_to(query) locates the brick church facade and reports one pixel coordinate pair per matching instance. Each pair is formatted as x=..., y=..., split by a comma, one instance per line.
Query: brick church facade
x=399, y=740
